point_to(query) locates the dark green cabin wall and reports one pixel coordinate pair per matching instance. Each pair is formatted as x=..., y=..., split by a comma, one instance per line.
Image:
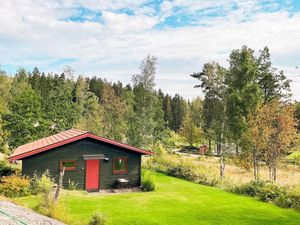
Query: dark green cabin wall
x=74, y=151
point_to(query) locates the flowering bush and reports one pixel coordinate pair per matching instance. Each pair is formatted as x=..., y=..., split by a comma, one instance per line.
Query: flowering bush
x=15, y=186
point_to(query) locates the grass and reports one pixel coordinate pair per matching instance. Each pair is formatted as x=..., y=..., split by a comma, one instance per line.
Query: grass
x=286, y=174
x=174, y=202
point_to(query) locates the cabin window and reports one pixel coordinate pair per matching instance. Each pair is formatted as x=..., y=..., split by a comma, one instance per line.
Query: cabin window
x=120, y=165
x=68, y=164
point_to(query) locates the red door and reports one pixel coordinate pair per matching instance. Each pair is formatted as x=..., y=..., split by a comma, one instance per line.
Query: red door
x=92, y=175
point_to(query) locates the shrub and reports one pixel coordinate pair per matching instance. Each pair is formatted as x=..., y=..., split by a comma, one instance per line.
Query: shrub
x=72, y=185
x=6, y=169
x=270, y=191
x=43, y=184
x=286, y=197
x=148, y=183
x=15, y=186
x=252, y=188
x=264, y=190
x=289, y=199
x=98, y=219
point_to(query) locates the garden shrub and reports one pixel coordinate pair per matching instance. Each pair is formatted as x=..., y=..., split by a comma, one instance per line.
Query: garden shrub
x=15, y=186
x=252, y=188
x=148, y=183
x=72, y=185
x=283, y=196
x=6, y=169
x=289, y=199
x=270, y=191
x=43, y=184
x=98, y=219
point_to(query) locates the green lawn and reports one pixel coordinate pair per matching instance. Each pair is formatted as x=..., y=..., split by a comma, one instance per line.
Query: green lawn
x=174, y=202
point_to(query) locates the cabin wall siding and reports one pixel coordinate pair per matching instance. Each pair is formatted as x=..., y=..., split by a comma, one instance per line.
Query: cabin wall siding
x=50, y=160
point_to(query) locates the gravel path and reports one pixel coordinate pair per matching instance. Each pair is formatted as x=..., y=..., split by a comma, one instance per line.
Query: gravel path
x=12, y=214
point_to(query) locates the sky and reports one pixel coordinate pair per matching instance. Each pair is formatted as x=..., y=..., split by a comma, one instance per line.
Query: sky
x=110, y=38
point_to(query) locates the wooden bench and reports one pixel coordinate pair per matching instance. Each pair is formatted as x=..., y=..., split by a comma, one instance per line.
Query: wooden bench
x=122, y=183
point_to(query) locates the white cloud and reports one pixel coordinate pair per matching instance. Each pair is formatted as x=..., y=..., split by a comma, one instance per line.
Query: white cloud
x=36, y=33
x=122, y=23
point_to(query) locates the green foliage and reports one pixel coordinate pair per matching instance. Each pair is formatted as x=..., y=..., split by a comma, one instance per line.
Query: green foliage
x=98, y=219
x=43, y=184
x=115, y=109
x=6, y=169
x=179, y=107
x=167, y=107
x=294, y=157
x=146, y=122
x=286, y=197
x=72, y=185
x=212, y=83
x=252, y=188
x=58, y=106
x=173, y=140
x=272, y=83
x=191, y=133
x=34, y=105
x=148, y=182
x=4, y=148
x=24, y=119
x=14, y=186
x=5, y=85
x=243, y=90
x=289, y=198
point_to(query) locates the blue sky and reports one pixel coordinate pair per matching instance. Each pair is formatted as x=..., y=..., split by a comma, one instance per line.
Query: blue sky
x=110, y=38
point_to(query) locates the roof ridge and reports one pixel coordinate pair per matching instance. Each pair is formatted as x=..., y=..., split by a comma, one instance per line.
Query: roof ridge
x=82, y=131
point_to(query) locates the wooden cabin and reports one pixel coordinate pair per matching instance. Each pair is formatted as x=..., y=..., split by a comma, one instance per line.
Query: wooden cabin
x=93, y=162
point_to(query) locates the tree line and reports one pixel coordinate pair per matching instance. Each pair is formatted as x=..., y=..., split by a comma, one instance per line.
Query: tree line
x=34, y=104
x=247, y=107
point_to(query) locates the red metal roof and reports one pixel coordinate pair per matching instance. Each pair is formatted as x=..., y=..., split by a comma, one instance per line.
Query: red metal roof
x=63, y=138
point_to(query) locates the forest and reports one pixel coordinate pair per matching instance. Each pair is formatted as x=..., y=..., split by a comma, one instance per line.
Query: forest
x=246, y=106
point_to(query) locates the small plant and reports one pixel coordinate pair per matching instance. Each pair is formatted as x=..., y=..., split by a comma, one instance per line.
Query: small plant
x=43, y=184
x=148, y=183
x=98, y=219
x=72, y=185
x=15, y=186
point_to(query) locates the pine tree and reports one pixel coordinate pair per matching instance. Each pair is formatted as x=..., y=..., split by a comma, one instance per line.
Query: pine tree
x=273, y=84
x=212, y=84
x=167, y=107
x=179, y=107
x=34, y=79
